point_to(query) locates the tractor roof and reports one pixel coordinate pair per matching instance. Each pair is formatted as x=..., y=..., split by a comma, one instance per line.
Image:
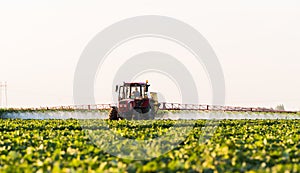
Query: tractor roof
x=135, y=83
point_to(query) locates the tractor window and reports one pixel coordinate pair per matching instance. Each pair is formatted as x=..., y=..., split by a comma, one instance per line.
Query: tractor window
x=121, y=92
x=131, y=92
x=127, y=92
x=143, y=88
x=135, y=92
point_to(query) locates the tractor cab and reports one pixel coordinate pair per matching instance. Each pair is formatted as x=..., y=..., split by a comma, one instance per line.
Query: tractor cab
x=135, y=90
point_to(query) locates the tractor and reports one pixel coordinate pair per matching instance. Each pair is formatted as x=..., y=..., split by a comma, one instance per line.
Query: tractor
x=134, y=102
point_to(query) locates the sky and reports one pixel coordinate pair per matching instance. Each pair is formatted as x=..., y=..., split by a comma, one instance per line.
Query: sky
x=257, y=43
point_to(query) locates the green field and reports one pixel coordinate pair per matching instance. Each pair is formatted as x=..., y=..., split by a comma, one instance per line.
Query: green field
x=235, y=146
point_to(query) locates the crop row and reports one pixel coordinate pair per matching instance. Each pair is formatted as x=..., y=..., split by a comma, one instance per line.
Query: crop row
x=208, y=146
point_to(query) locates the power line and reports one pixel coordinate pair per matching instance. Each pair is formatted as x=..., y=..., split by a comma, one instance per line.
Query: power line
x=3, y=86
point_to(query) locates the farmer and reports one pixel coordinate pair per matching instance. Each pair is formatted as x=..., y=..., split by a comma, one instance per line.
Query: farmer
x=136, y=93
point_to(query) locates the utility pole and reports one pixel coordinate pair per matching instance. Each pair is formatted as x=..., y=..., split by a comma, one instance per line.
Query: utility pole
x=6, y=93
x=1, y=98
x=3, y=86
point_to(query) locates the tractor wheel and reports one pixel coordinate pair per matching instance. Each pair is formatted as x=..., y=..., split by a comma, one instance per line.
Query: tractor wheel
x=113, y=114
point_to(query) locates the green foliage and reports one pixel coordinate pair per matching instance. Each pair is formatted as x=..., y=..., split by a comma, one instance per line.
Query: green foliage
x=236, y=146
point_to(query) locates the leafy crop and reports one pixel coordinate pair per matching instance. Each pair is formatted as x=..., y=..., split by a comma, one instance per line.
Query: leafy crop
x=236, y=146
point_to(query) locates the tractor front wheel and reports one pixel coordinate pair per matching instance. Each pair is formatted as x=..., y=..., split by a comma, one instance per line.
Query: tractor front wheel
x=113, y=114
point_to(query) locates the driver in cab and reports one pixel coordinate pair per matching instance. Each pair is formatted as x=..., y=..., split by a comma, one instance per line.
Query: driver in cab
x=136, y=93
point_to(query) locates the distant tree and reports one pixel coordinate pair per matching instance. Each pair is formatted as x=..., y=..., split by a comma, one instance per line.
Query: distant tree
x=280, y=107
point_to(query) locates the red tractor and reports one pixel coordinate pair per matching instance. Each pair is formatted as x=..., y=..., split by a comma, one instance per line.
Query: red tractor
x=134, y=102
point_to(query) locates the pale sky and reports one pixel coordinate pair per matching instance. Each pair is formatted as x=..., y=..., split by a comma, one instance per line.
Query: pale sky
x=257, y=43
